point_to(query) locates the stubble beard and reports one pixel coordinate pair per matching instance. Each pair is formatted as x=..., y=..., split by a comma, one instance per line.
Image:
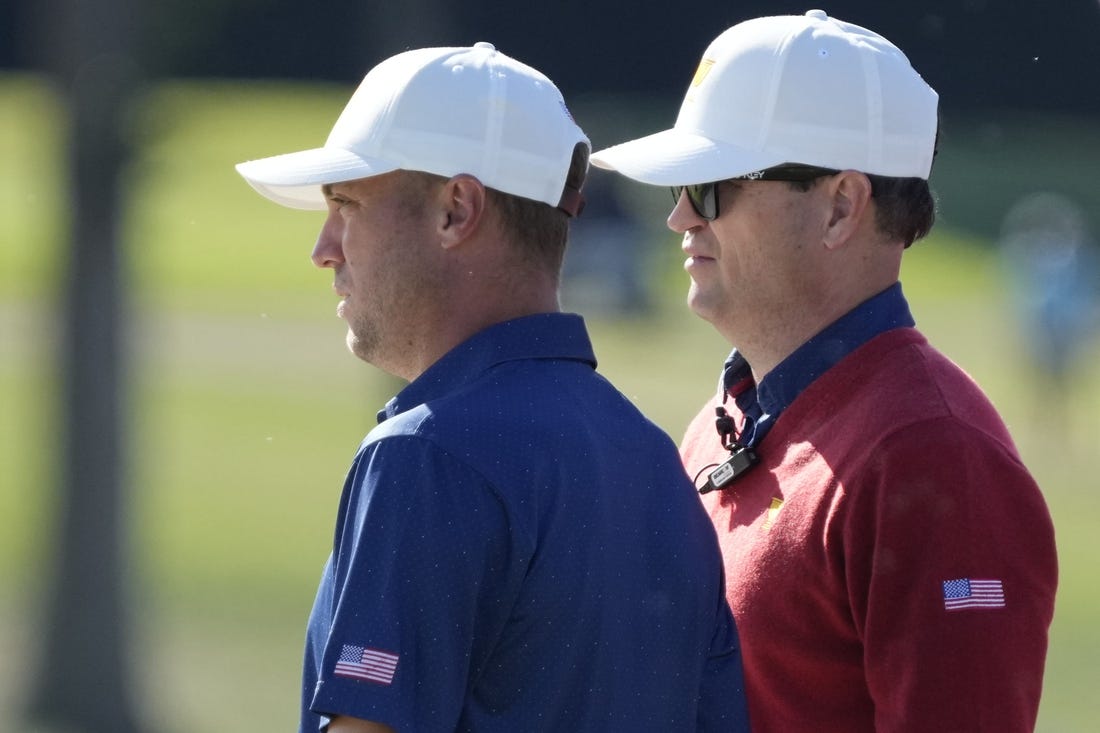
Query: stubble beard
x=363, y=340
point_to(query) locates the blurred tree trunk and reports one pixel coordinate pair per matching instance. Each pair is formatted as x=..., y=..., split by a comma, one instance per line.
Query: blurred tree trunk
x=83, y=680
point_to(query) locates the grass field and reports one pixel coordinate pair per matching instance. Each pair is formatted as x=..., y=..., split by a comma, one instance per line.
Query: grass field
x=246, y=408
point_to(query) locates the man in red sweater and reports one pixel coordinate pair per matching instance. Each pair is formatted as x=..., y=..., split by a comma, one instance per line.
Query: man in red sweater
x=890, y=561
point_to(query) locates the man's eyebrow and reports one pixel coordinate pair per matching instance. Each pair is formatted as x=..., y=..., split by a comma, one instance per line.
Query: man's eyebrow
x=326, y=190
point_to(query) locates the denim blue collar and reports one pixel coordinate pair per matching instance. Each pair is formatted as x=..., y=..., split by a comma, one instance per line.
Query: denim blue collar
x=763, y=403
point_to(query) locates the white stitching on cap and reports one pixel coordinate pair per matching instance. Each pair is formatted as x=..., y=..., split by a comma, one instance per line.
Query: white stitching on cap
x=873, y=89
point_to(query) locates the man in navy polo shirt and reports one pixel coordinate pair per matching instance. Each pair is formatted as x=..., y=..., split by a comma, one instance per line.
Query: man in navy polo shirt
x=517, y=548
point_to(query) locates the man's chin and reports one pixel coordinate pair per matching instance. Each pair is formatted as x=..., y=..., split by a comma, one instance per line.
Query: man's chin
x=356, y=345
x=697, y=303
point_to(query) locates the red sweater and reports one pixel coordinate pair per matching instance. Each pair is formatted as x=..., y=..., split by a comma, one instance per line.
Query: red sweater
x=890, y=476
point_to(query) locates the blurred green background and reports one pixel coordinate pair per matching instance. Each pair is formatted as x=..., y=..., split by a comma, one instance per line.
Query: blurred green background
x=245, y=407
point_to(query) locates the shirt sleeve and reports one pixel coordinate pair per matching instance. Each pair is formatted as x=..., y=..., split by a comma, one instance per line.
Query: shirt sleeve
x=722, y=703
x=423, y=566
x=951, y=571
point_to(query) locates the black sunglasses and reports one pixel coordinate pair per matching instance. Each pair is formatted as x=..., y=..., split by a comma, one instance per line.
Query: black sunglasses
x=704, y=196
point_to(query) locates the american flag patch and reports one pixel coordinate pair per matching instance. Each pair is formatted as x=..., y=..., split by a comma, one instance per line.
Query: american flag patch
x=967, y=593
x=363, y=663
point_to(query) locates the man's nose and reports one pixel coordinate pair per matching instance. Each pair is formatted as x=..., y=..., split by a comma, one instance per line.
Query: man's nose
x=683, y=215
x=328, y=251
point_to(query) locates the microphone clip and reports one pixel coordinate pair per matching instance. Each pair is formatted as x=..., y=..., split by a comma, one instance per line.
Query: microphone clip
x=741, y=459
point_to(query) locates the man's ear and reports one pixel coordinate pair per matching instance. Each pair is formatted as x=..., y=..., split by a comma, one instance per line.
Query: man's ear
x=463, y=202
x=850, y=196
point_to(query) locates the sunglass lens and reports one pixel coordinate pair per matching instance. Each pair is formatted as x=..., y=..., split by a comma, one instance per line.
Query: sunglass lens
x=702, y=198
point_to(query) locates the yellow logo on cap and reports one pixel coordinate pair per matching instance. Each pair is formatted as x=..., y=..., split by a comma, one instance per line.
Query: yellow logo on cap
x=701, y=72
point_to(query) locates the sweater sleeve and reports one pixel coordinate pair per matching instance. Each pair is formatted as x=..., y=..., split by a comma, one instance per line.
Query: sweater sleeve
x=950, y=565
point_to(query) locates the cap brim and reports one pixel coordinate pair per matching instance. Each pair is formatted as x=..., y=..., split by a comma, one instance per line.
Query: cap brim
x=678, y=158
x=295, y=179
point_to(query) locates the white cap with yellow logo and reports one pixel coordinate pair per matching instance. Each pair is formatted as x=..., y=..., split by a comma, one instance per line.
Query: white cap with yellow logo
x=805, y=89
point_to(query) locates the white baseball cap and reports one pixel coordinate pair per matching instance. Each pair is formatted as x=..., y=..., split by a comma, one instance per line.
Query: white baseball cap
x=445, y=111
x=806, y=89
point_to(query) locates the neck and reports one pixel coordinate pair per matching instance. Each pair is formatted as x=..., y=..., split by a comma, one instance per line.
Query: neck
x=773, y=338
x=468, y=309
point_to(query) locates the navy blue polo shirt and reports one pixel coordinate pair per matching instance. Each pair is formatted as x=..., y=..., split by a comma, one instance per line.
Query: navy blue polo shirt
x=763, y=403
x=518, y=549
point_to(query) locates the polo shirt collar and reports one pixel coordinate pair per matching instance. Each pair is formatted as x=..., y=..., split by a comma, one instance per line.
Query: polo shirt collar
x=764, y=402
x=541, y=336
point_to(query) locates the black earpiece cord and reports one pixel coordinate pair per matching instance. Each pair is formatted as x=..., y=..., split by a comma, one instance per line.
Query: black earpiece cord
x=741, y=459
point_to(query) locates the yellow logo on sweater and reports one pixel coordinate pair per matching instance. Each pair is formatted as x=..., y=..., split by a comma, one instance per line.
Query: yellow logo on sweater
x=773, y=512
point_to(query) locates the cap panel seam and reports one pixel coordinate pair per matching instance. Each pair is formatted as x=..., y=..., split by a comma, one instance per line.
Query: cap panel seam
x=873, y=89
x=494, y=121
